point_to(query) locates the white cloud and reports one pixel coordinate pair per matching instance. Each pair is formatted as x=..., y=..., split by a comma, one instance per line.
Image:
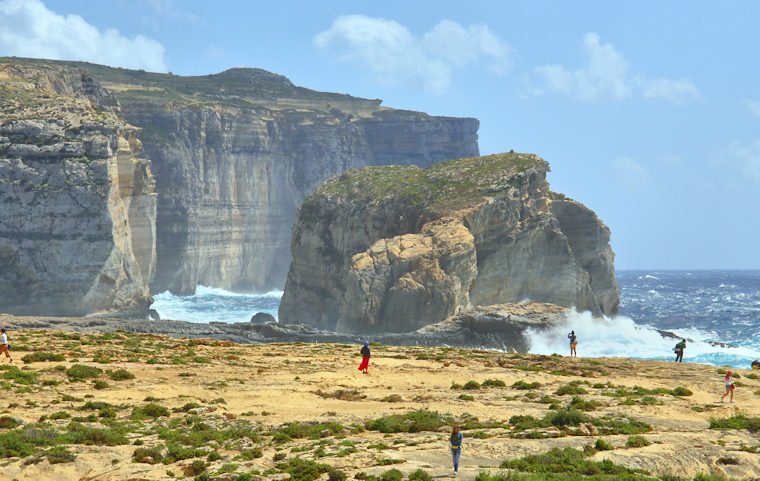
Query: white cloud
x=605, y=73
x=393, y=54
x=631, y=173
x=29, y=29
x=745, y=157
x=753, y=106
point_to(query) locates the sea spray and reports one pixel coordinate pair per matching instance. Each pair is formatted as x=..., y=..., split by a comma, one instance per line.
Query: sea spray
x=212, y=304
x=620, y=336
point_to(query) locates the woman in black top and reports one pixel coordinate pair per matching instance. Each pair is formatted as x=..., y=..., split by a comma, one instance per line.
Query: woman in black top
x=365, y=358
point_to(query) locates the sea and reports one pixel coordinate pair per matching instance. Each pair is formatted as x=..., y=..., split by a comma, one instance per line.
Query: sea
x=717, y=311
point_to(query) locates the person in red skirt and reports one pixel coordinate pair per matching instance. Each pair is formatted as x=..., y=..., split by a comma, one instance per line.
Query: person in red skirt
x=365, y=358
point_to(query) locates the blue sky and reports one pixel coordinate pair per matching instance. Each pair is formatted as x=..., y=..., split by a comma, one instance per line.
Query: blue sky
x=649, y=112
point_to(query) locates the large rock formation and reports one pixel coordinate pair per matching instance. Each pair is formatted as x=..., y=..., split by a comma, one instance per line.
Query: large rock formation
x=235, y=154
x=77, y=230
x=391, y=249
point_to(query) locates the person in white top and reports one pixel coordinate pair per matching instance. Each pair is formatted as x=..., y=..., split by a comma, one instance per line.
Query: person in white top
x=729, y=383
x=4, y=346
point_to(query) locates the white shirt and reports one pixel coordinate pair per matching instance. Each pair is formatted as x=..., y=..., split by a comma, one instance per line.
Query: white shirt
x=4, y=339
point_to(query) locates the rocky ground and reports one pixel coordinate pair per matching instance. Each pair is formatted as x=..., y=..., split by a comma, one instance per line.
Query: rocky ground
x=129, y=406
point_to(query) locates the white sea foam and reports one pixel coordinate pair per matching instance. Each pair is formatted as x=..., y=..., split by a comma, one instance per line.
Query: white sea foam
x=622, y=337
x=210, y=304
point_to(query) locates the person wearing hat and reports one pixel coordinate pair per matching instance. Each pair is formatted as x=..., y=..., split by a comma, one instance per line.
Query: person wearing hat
x=365, y=357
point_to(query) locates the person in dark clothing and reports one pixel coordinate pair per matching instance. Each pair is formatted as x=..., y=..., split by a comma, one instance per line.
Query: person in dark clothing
x=679, y=350
x=573, y=343
x=456, y=447
x=363, y=367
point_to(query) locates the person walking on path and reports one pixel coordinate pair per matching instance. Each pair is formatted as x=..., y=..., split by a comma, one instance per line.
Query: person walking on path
x=679, y=350
x=728, y=381
x=4, y=346
x=573, y=344
x=363, y=367
x=456, y=447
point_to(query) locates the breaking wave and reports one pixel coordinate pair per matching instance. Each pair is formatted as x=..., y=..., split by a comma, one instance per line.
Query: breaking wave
x=621, y=336
x=210, y=304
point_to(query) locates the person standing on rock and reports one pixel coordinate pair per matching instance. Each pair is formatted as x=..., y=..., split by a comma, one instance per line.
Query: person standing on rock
x=679, y=350
x=363, y=367
x=4, y=346
x=728, y=381
x=573, y=344
x=456, y=447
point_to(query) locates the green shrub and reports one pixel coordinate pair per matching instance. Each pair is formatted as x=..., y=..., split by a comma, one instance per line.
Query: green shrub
x=336, y=475
x=602, y=445
x=150, y=410
x=637, y=442
x=42, y=357
x=12, y=373
x=213, y=456
x=58, y=455
x=303, y=470
x=392, y=475
x=740, y=421
x=420, y=475
x=298, y=430
x=147, y=455
x=79, y=372
x=8, y=422
x=60, y=415
x=493, y=383
x=99, y=384
x=279, y=456
x=522, y=422
x=572, y=389
x=411, y=422
x=466, y=397
x=120, y=375
x=566, y=417
x=471, y=385
x=567, y=461
x=583, y=405
x=198, y=466
x=524, y=386
x=681, y=391
x=81, y=434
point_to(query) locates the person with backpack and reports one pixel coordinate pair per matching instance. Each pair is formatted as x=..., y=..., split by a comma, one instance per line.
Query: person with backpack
x=573, y=344
x=363, y=367
x=679, y=350
x=456, y=447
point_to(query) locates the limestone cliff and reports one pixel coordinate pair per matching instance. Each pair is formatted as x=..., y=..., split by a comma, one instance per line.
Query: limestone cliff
x=77, y=230
x=391, y=249
x=235, y=154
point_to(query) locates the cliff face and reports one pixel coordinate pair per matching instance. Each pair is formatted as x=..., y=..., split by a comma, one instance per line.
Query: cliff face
x=77, y=230
x=235, y=154
x=392, y=249
x=230, y=180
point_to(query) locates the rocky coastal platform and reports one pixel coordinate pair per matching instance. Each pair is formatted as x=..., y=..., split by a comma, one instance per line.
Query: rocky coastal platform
x=128, y=406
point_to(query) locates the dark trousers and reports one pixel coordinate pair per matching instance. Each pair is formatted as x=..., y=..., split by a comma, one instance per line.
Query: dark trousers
x=679, y=355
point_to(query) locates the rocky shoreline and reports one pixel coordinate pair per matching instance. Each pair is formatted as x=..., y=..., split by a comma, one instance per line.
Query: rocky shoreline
x=499, y=326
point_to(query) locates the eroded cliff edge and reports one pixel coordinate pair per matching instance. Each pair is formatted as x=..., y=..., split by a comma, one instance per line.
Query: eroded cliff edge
x=234, y=154
x=391, y=249
x=77, y=230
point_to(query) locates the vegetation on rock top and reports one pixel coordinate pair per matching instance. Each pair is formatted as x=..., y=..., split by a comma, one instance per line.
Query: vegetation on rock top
x=440, y=188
